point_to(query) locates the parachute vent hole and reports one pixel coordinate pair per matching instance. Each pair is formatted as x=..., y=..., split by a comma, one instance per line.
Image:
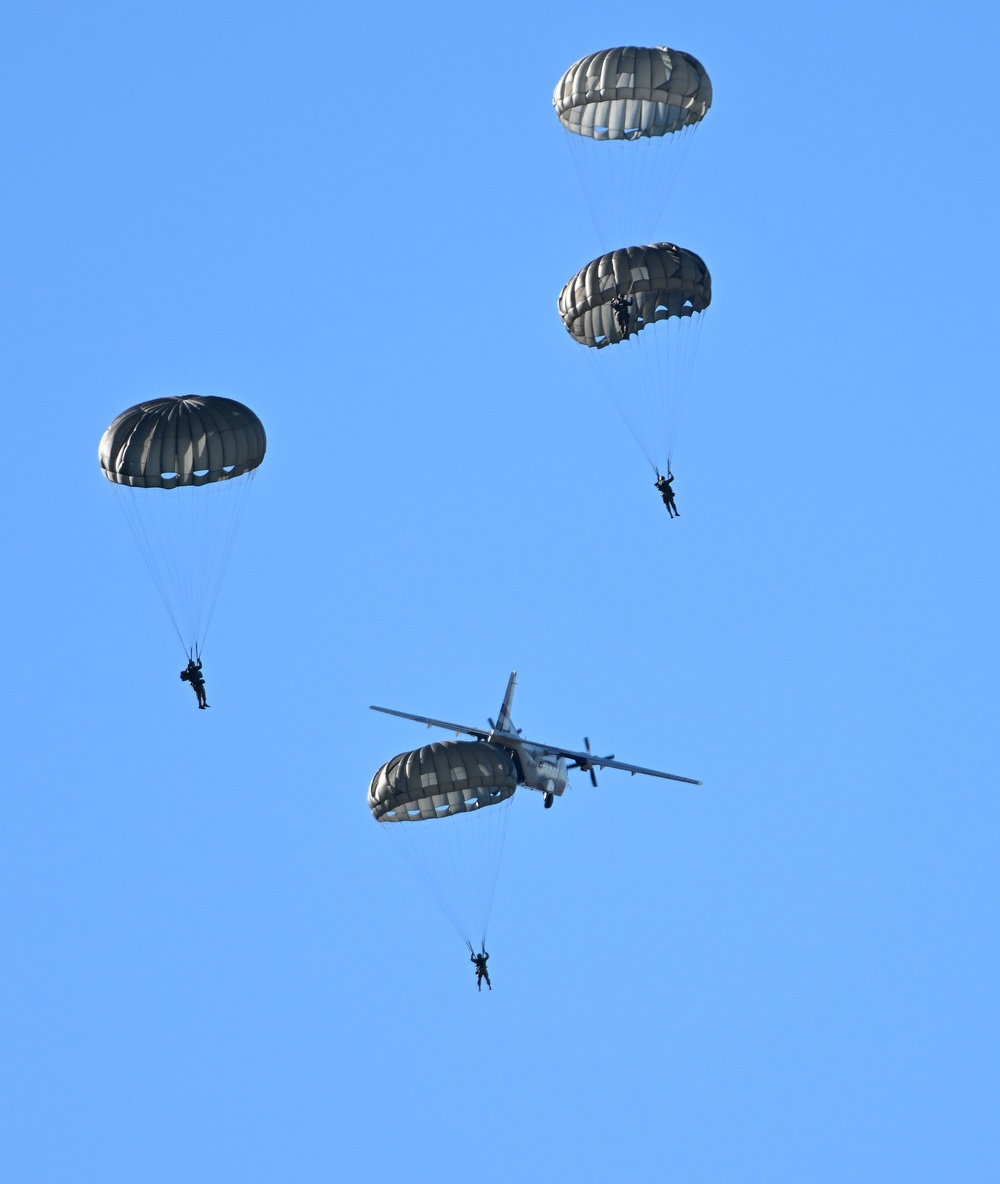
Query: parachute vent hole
x=169, y=476
x=228, y=468
x=201, y=472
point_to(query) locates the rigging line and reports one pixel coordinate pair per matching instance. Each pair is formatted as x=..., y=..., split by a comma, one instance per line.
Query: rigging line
x=125, y=495
x=505, y=807
x=665, y=177
x=574, y=150
x=627, y=381
x=458, y=860
x=407, y=849
x=233, y=519
x=601, y=368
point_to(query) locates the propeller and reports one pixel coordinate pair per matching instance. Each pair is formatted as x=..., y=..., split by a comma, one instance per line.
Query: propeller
x=586, y=766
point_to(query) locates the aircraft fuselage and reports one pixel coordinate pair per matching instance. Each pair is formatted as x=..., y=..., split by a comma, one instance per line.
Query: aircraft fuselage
x=536, y=768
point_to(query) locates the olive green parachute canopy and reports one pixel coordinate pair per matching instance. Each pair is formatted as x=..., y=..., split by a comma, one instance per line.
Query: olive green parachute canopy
x=182, y=469
x=663, y=281
x=632, y=92
x=449, y=777
x=185, y=440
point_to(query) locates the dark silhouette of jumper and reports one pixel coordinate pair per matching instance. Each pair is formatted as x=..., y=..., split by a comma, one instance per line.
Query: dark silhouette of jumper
x=665, y=486
x=621, y=306
x=192, y=674
x=480, y=960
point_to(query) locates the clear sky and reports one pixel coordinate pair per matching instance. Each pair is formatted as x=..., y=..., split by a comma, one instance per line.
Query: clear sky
x=357, y=219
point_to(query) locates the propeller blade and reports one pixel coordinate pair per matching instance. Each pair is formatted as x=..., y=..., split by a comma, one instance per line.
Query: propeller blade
x=589, y=767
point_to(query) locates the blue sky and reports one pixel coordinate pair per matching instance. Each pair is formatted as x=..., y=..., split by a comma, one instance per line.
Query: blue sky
x=357, y=221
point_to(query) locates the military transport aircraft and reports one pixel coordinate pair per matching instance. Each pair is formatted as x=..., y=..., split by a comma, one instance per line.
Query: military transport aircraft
x=542, y=767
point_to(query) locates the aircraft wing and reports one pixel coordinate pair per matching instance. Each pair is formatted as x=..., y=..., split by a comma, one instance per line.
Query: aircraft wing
x=435, y=723
x=587, y=758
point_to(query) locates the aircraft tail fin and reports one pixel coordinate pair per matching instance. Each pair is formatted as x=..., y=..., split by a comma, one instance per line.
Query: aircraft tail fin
x=503, y=723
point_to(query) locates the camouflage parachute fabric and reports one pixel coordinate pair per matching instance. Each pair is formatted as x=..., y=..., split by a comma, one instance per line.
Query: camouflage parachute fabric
x=631, y=92
x=662, y=279
x=449, y=777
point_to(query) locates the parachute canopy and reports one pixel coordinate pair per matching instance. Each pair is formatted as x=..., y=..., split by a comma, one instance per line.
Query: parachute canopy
x=662, y=279
x=632, y=92
x=183, y=440
x=182, y=468
x=449, y=777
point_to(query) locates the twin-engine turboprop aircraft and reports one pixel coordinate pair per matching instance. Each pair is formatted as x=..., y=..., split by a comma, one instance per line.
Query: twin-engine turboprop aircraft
x=538, y=766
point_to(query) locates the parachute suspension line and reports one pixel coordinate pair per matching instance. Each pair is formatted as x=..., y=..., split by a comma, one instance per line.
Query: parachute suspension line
x=186, y=537
x=660, y=174
x=612, y=371
x=475, y=863
x=679, y=371
x=491, y=885
x=492, y=840
x=213, y=533
x=164, y=522
x=627, y=184
x=647, y=377
x=241, y=485
x=570, y=138
x=490, y=836
x=674, y=350
x=614, y=375
x=126, y=501
x=419, y=864
x=458, y=859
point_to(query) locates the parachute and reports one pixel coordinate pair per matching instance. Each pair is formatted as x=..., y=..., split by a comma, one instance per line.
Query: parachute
x=645, y=365
x=182, y=468
x=452, y=799
x=631, y=92
x=629, y=114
